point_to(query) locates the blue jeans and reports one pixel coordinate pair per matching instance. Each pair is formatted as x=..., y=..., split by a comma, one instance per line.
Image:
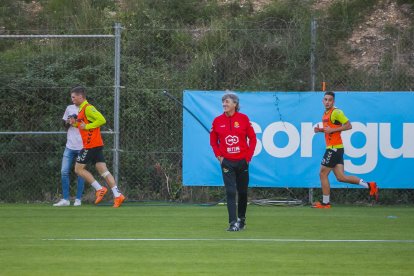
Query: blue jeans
x=68, y=157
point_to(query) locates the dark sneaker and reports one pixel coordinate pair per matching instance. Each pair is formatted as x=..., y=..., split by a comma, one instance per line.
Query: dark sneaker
x=241, y=223
x=234, y=227
x=373, y=190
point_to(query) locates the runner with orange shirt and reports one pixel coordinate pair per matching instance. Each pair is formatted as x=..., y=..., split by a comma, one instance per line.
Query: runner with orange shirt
x=89, y=122
x=334, y=122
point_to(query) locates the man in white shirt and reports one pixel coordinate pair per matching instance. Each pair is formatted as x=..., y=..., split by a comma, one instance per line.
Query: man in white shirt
x=73, y=146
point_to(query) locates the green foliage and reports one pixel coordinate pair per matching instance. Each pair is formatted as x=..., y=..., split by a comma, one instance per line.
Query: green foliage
x=401, y=2
x=342, y=17
x=279, y=14
x=39, y=82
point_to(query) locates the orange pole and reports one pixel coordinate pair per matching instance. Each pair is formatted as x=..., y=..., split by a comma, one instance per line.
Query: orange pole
x=323, y=86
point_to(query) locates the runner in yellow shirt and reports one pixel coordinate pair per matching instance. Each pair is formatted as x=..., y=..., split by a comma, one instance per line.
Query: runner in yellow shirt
x=334, y=122
x=89, y=122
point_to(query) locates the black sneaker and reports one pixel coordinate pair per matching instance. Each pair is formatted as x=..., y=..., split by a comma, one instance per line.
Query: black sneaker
x=233, y=227
x=241, y=223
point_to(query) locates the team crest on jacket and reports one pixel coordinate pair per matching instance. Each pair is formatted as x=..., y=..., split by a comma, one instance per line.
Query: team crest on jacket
x=236, y=124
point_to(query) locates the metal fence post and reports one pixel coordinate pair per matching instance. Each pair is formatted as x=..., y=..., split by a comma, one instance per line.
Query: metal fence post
x=313, y=75
x=117, y=65
x=312, y=54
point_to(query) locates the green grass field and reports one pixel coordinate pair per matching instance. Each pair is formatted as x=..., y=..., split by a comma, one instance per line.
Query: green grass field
x=39, y=239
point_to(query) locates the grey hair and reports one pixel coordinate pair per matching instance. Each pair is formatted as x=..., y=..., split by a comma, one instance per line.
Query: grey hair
x=232, y=97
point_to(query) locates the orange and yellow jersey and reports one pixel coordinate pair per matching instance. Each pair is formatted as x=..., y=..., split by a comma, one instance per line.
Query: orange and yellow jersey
x=334, y=118
x=93, y=119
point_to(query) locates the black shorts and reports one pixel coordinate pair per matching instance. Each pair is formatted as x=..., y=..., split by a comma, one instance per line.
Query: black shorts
x=93, y=155
x=333, y=157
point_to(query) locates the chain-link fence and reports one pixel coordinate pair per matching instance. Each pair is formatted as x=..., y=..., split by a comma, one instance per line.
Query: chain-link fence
x=278, y=56
x=372, y=57
x=37, y=72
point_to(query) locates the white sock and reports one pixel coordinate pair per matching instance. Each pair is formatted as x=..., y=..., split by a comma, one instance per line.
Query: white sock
x=96, y=185
x=325, y=199
x=116, y=191
x=363, y=183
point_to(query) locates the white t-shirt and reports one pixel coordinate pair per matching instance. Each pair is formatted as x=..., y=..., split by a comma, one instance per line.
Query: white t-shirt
x=74, y=139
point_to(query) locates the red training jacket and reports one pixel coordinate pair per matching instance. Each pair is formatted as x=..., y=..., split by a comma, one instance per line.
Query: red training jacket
x=228, y=137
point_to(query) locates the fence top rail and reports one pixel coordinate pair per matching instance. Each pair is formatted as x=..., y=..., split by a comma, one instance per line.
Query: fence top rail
x=41, y=132
x=57, y=36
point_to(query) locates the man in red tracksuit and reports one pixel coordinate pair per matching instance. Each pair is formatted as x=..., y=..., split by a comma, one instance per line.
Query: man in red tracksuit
x=233, y=141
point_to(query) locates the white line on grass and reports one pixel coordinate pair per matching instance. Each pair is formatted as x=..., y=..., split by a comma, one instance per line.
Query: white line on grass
x=212, y=239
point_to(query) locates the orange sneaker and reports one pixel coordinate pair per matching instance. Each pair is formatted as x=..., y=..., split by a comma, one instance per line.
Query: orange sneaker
x=100, y=194
x=319, y=205
x=373, y=190
x=118, y=201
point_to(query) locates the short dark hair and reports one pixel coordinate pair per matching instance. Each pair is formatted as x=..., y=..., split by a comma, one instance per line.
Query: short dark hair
x=78, y=90
x=330, y=93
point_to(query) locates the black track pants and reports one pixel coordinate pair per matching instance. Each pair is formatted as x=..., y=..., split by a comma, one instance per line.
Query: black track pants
x=236, y=181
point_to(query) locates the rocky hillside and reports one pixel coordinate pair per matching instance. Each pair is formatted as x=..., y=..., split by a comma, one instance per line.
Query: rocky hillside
x=377, y=37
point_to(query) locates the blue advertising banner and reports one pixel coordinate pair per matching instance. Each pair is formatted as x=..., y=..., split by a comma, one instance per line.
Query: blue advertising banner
x=379, y=147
